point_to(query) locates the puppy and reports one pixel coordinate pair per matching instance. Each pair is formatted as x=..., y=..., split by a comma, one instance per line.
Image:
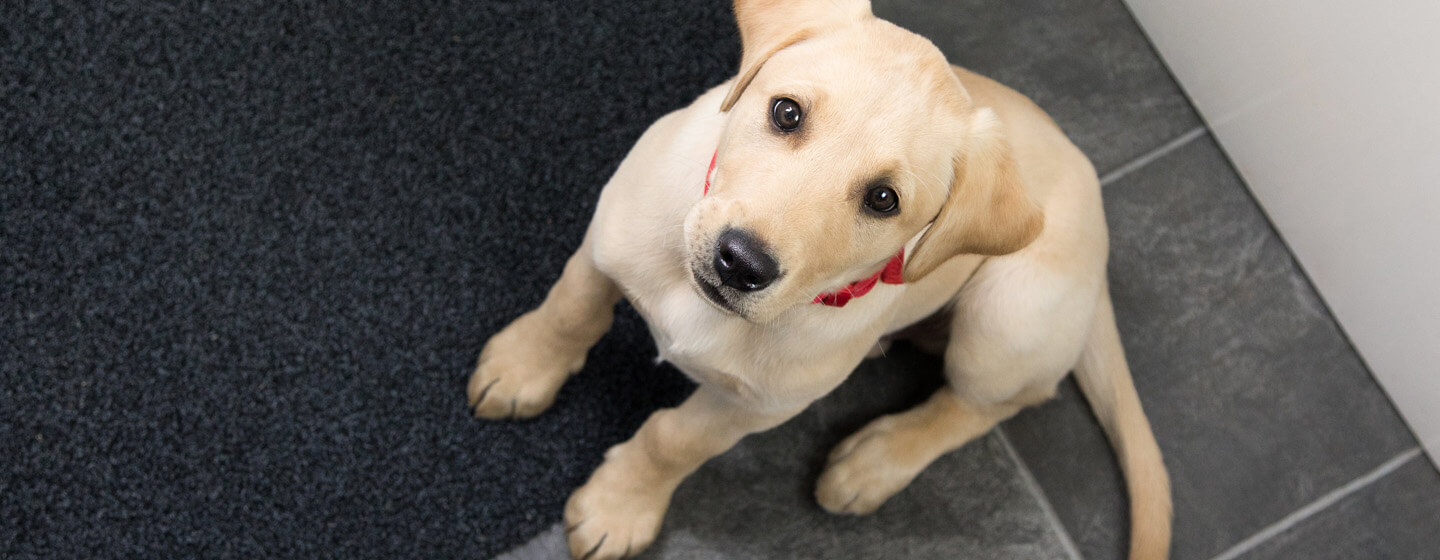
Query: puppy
x=847, y=184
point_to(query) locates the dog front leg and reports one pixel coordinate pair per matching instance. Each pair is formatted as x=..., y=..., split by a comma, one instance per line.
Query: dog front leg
x=523, y=366
x=618, y=512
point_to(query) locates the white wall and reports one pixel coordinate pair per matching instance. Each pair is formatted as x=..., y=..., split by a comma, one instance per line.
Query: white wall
x=1331, y=111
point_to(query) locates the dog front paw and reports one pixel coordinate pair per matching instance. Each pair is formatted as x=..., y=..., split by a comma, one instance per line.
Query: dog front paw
x=521, y=369
x=614, y=515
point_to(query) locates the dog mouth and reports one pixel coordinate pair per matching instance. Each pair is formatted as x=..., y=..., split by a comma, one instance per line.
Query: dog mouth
x=712, y=294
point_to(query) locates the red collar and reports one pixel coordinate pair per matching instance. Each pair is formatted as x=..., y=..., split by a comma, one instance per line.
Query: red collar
x=710, y=171
x=891, y=274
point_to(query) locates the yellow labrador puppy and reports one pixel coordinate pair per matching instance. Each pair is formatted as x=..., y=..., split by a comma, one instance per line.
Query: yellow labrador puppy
x=847, y=184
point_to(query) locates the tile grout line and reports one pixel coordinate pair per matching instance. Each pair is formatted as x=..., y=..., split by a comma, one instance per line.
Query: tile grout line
x=1038, y=493
x=1153, y=155
x=1318, y=505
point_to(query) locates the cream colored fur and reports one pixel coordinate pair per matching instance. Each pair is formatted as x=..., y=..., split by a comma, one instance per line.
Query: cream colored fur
x=1005, y=238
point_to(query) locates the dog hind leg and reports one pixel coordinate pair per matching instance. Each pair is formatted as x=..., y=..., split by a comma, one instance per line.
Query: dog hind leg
x=882, y=458
x=1007, y=349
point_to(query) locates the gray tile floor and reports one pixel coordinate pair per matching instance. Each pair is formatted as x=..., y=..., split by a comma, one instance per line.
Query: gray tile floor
x=1278, y=441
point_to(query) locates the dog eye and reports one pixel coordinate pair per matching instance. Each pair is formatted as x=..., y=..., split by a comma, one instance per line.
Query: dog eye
x=785, y=113
x=882, y=199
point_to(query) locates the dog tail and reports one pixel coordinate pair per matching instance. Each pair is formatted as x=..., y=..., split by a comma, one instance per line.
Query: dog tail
x=1105, y=380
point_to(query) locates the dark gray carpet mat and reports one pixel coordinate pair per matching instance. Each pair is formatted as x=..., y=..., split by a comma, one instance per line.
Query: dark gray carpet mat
x=249, y=251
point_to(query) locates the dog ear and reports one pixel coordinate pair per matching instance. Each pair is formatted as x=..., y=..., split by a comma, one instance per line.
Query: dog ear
x=987, y=212
x=767, y=26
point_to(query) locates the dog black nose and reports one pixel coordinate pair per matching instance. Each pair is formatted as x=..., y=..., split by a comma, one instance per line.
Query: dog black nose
x=743, y=263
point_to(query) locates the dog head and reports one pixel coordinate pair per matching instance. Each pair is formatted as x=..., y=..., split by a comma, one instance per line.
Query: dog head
x=846, y=137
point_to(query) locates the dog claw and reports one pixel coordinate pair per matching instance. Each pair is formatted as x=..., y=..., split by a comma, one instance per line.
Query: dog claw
x=595, y=548
x=481, y=399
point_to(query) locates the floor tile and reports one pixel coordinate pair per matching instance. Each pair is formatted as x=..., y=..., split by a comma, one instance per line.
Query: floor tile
x=1396, y=518
x=549, y=545
x=756, y=501
x=1083, y=61
x=1258, y=402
